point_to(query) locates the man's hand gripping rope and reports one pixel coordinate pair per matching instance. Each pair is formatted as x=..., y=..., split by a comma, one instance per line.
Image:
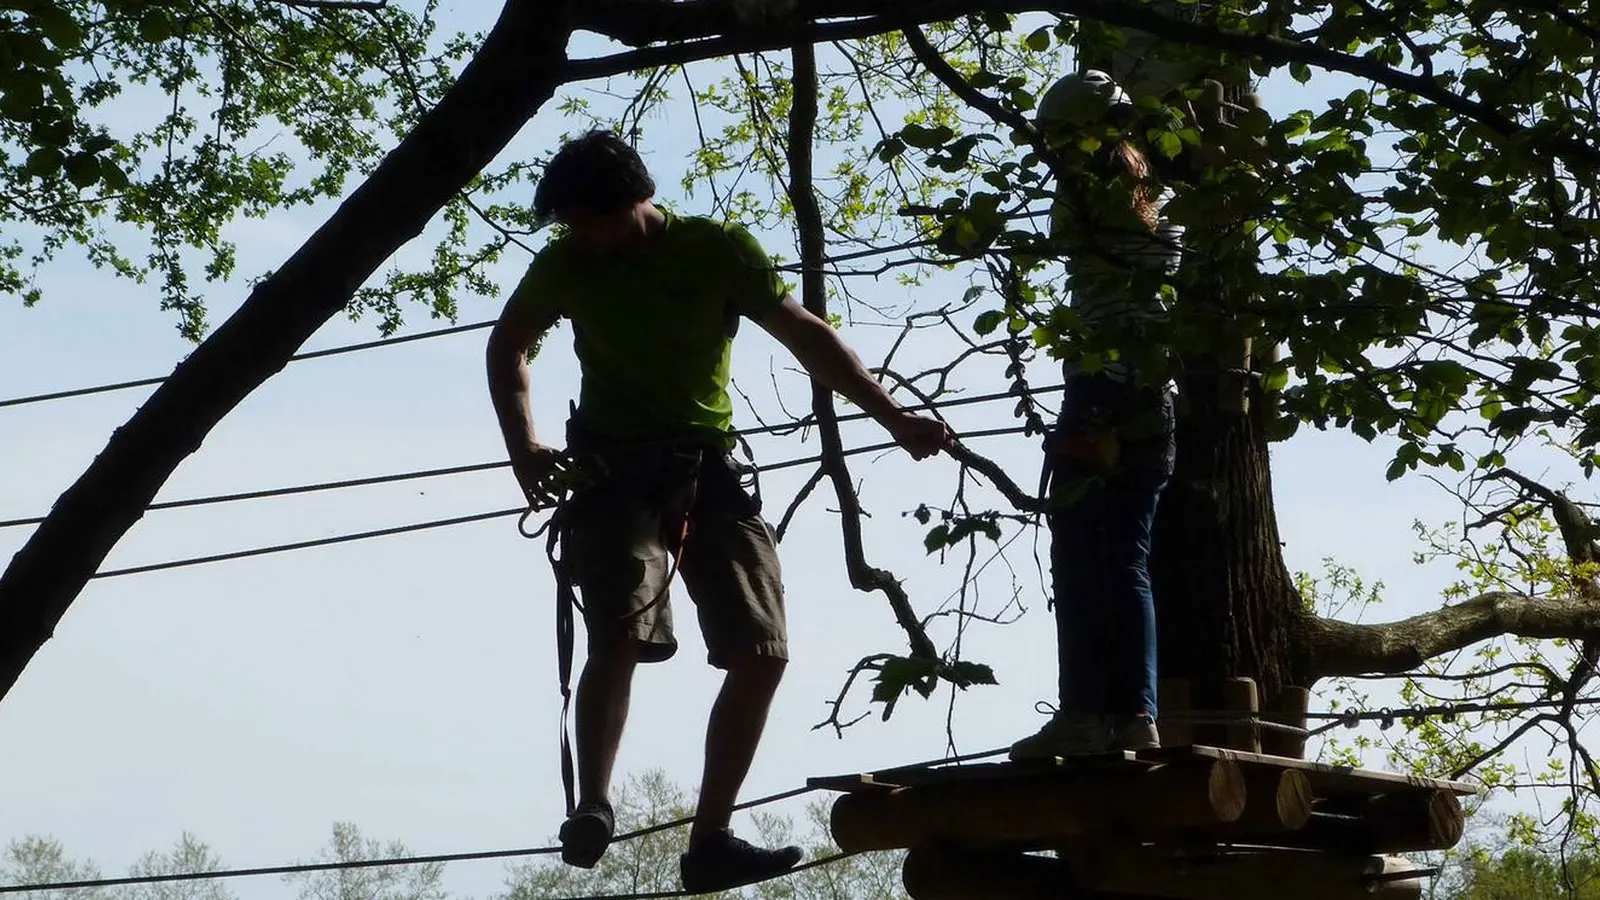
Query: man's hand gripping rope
x=547, y=476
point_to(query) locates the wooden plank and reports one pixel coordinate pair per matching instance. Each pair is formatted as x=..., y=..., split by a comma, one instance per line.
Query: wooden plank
x=914, y=776
x=1326, y=780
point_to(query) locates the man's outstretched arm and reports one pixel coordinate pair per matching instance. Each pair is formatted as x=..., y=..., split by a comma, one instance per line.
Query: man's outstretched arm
x=824, y=355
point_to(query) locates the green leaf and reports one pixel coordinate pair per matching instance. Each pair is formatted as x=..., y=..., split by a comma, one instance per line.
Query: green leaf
x=1039, y=40
x=988, y=321
x=58, y=25
x=972, y=673
x=1281, y=428
x=1169, y=144
x=44, y=162
x=155, y=25
x=1396, y=469
x=82, y=169
x=925, y=138
x=937, y=539
x=898, y=673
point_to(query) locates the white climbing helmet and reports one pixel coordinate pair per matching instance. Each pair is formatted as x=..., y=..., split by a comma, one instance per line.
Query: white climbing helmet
x=1081, y=98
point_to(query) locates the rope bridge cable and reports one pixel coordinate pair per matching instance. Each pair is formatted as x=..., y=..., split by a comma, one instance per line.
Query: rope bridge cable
x=1385, y=717
x=306, y=545
x=299, y=357
x=297, y=489
x=301, y=868
x=444, y=523
x=368, y=481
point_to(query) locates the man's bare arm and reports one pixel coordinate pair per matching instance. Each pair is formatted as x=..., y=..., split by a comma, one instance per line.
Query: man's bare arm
x=820, y=350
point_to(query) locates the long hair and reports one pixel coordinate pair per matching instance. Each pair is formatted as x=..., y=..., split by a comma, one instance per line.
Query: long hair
x=1125, y=158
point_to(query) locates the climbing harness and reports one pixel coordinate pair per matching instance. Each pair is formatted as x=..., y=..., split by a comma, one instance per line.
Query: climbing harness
x=664, y=474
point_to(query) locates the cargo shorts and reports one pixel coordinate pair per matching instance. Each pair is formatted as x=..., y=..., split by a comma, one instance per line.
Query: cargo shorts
x=616, y=549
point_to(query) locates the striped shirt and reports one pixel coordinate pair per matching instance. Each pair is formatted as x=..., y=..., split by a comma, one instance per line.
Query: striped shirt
x=1118, y=268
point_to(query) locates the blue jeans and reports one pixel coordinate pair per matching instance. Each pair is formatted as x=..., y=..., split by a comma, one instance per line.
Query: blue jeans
x=1110, y=456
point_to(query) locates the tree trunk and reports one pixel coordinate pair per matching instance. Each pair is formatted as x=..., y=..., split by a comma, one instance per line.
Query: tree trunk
x=516, y=70
x=1225, y=602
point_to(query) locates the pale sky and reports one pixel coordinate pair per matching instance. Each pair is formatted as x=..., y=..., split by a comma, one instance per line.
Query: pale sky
x=407, y=684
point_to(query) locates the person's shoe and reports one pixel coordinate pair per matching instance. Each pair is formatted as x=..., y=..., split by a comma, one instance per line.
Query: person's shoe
x=586, y=834
x=1066, y=734
x=1135, y=733
x=725, y=861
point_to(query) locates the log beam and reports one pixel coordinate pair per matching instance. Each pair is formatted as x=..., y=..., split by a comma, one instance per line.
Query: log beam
x=1275, y=801
x=1244, y=875
x=946, y=872
x=1391, y=823
x=1040, y=811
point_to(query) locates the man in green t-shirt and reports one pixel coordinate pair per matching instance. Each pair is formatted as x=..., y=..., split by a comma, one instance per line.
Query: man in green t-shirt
x=654, y=300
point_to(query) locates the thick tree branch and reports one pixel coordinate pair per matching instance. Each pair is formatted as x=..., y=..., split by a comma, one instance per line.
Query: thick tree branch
x=814, y=295
x=516, y=70
x=1336, y=649
x=941, y=69
x=701, y=29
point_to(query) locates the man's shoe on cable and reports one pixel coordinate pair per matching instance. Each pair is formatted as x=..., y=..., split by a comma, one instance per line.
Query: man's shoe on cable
x=724, y=861
x=586, y=834
x=1083, y=734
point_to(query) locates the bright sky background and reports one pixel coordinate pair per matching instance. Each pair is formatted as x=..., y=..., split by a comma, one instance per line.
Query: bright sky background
x=408, y=684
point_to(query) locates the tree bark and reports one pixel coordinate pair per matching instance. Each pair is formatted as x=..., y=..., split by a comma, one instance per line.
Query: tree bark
x=1225, y=602
x=517, y=69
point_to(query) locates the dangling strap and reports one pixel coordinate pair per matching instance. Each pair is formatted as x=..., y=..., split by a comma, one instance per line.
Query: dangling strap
x=566, y=603
x=676, y=518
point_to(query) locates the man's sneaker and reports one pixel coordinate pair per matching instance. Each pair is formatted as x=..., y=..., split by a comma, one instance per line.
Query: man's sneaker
x=586, y=834
x=725, y=861
x=1066, y=734
x=1081, y=734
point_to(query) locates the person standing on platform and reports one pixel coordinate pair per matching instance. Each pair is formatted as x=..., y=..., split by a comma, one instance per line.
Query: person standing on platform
x=1111, y=452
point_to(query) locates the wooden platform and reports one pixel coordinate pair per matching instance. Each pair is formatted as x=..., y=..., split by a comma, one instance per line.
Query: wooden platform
x=1139, y=824
x=1327, y=780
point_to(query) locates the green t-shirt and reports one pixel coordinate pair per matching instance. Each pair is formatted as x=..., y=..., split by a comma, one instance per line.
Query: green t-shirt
x=653, y=327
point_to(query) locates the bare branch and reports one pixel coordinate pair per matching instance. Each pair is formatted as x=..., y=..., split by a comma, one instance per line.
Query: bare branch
x=814, y=294
x=799, y=498
x=1337, y=649
x=1576, y=529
